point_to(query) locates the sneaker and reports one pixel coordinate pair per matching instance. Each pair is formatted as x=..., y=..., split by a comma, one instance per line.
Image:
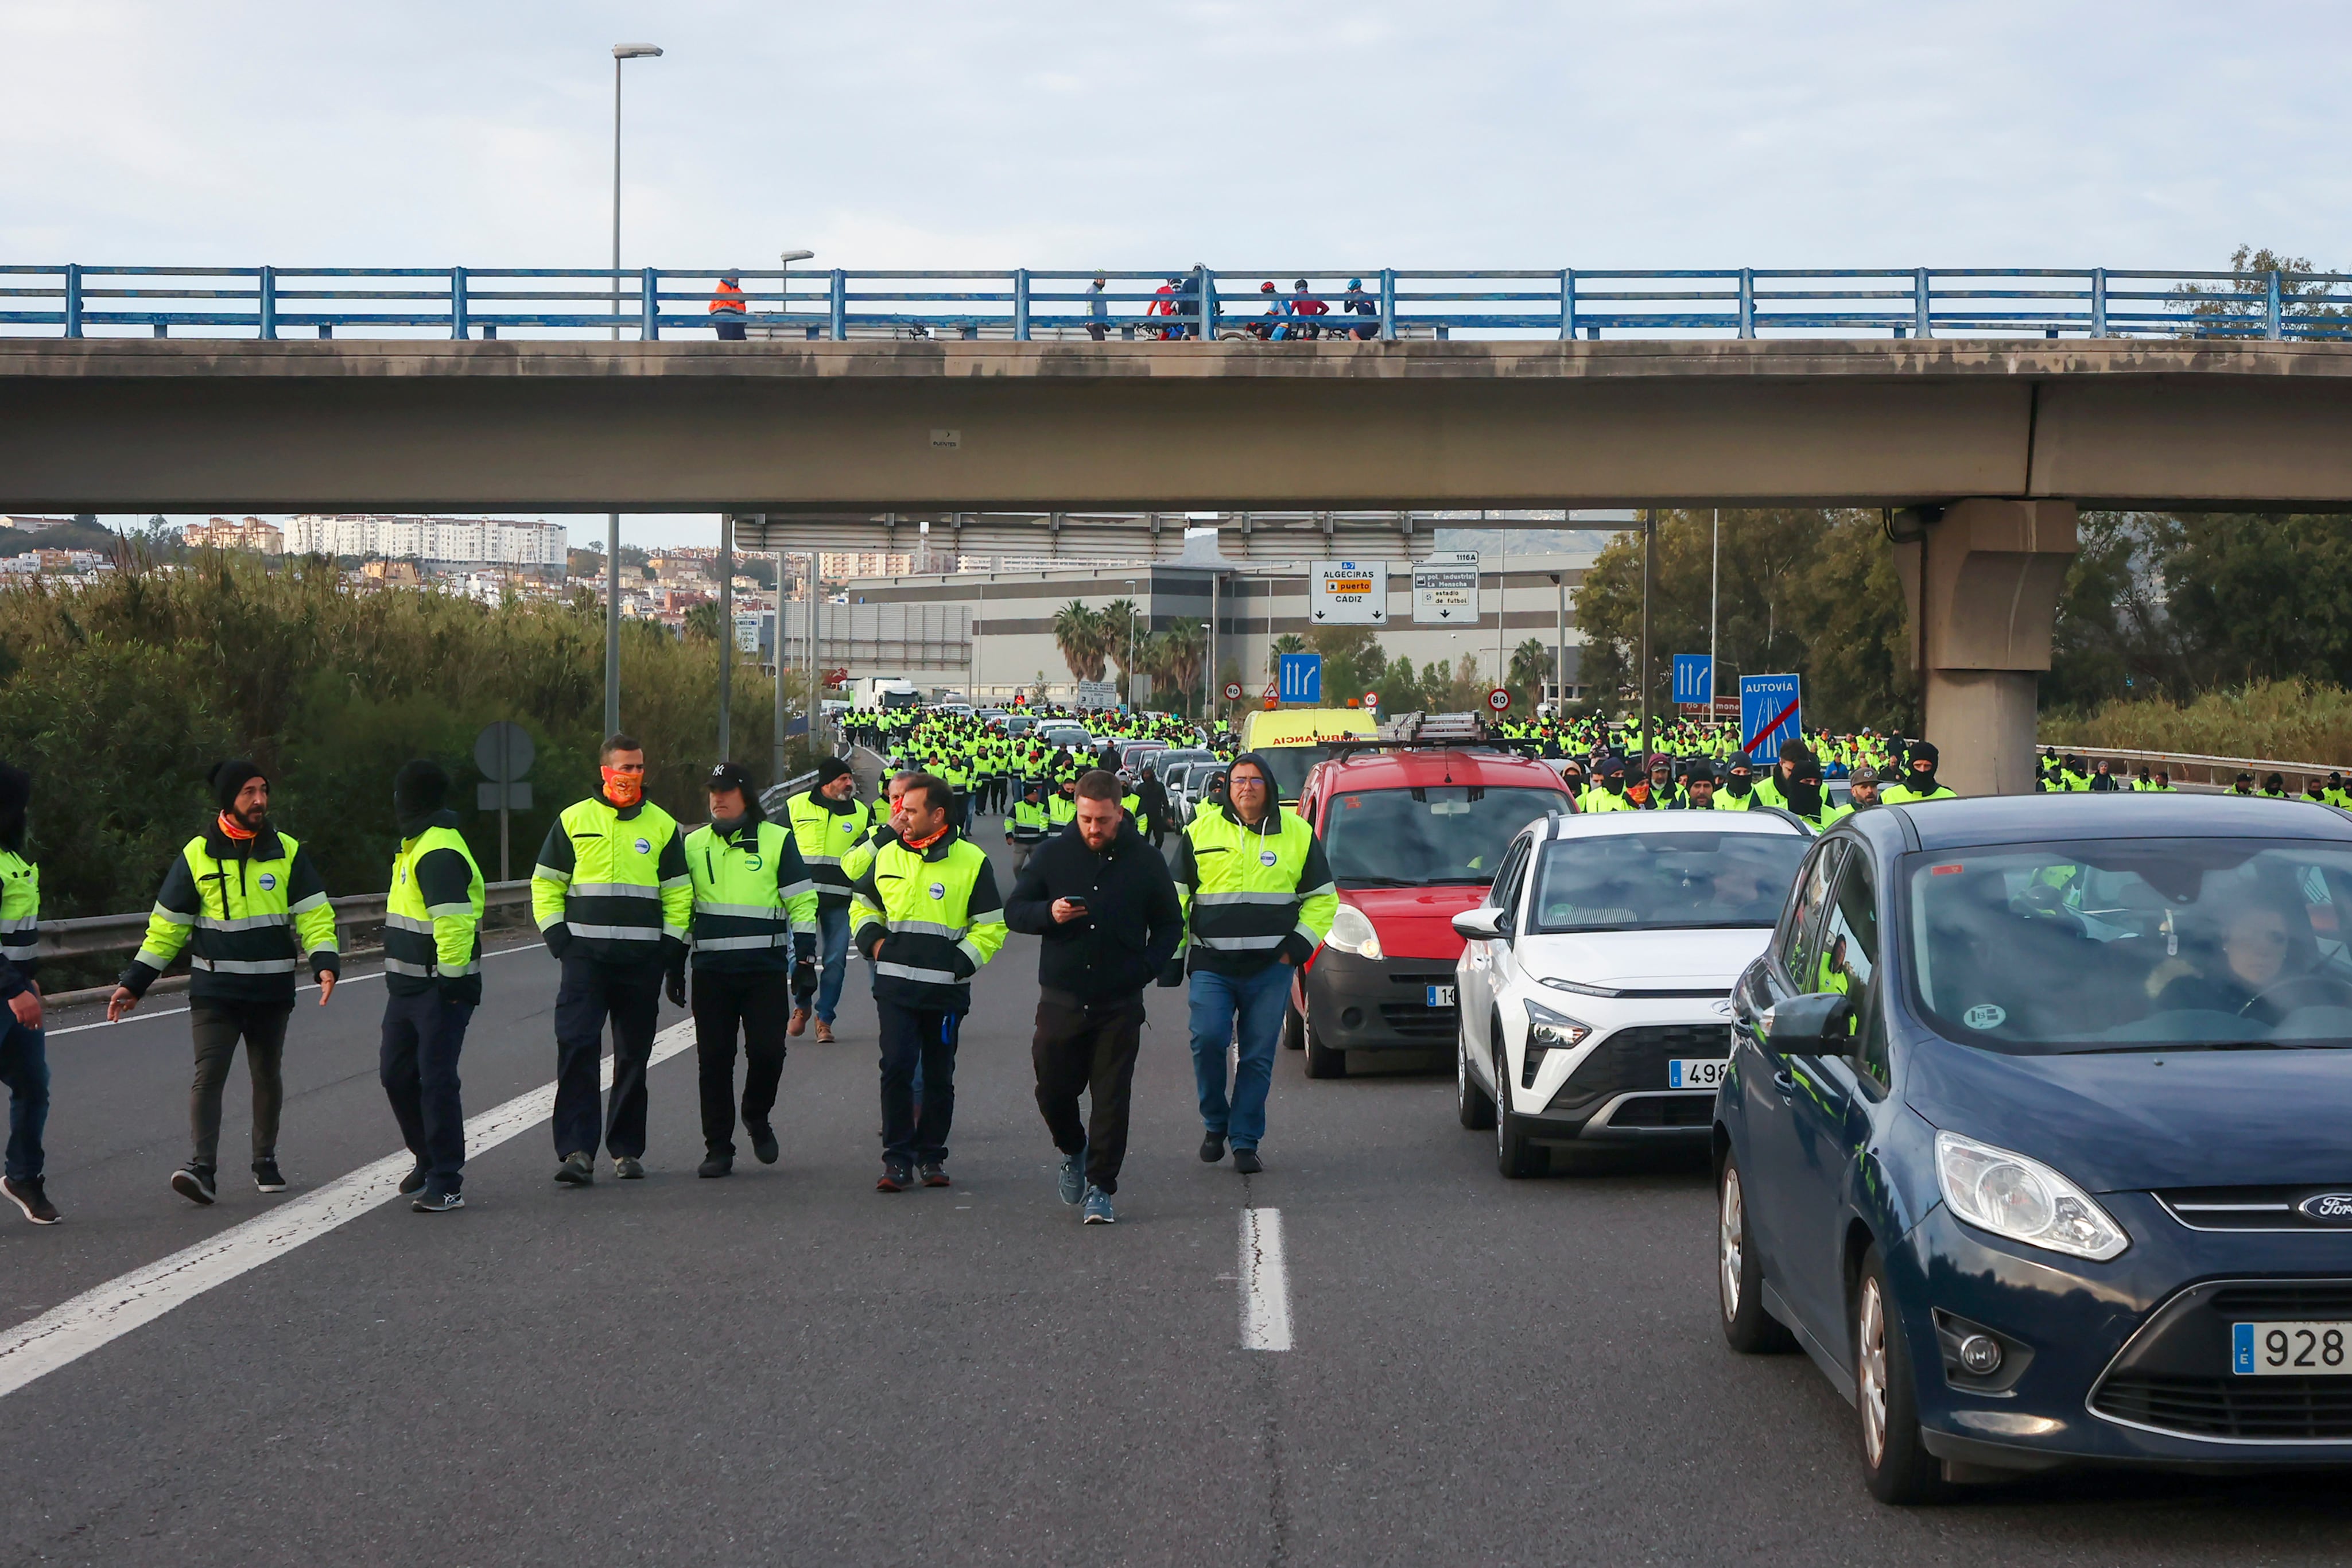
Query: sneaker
x=1246, y=1162
x=1212, y=1148
x=32, y=1197
x=194, y=1182
x=1074, y=1177
x=823, y=1033
x=934, y=1174
x=577, y=1170
x=764, y=1143
x=716, y=1166
x=1098, y=1209
x=799, y=1022
x=895, y=1178
x=438, y=1203
x=628, y=1168
x=267, y=1176
x=412, y=1184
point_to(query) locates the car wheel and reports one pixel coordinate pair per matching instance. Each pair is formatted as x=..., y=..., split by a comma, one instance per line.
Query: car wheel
x=1740, y=1274
x=1293, y=1028
x=1896, y=1464
x=1473, y=1104
x=1514, y=1155
x=1322, y=1061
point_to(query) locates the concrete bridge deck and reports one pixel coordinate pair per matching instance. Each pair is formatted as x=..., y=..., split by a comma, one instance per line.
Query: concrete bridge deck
x=144, y=424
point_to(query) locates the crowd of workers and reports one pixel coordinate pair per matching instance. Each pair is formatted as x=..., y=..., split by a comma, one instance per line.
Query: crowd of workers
x=763, y=913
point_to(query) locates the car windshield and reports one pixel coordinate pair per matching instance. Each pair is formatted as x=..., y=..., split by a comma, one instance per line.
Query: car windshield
x=1418, y=838
x=2134, y=944
x=1291, y=765
x=1663, y=881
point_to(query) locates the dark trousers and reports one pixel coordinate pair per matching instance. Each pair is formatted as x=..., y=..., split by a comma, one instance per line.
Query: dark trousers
x=761, y=1002
x=1088, y=1045
x=216, y=1026
x=418, y=1064
x=728, y=332
x=916, y=1041
x=24, y=1070
x=590, y=993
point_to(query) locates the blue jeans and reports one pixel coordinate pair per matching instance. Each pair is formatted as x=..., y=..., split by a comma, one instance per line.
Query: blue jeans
x=1245, y=1010
x=24, y=1068
x=833, y=955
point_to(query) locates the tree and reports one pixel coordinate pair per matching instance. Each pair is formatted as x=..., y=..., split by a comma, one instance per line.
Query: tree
x=1353, y=661
x=1078, y=634
x=1531, y=671
x=1121, y=639
x=2226, y=310
x=1174, y=659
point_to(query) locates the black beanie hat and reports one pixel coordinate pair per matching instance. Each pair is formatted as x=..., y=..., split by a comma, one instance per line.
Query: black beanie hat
x=15, y=794
x=829, y=769
x=419, y=789
x=1926, y=749
x=229, y=777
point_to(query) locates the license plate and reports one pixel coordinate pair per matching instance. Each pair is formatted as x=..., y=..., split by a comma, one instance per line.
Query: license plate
x=1441, y=995
x=2291, y=1350
x=1695, y=1075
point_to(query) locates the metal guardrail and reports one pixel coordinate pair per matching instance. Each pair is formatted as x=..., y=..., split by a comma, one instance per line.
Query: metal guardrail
x=93, y=934
x=772, y=798
x=1024, y=304
x=2299, y=771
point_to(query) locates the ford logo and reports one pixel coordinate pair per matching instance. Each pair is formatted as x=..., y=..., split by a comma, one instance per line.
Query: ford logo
x=2328, y=1208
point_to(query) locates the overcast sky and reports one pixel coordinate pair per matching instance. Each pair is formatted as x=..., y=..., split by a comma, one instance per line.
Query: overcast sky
x=1275, y=136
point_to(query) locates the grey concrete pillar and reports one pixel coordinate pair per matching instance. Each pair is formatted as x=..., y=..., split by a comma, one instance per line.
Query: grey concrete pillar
x=1982, y=585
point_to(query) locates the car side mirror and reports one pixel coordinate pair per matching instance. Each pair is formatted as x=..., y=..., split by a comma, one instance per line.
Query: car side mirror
x=1818, y=1024
x=1481, y=924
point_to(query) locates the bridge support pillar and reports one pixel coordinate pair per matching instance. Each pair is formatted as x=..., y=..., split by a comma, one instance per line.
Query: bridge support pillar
x=1982, y=582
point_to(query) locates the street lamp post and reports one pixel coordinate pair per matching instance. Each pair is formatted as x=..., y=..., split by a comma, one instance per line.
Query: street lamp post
x=613, y=519
x=1130, y=643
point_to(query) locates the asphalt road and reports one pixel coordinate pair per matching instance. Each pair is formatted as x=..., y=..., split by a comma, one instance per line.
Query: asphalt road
x=788, y=1367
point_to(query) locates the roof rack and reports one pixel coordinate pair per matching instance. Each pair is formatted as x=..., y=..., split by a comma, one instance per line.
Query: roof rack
x=1410, y=730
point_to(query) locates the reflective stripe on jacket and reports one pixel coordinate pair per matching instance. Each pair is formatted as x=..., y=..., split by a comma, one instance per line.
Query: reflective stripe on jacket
x=751, y=895
x=433, y=916
x=939, y=918
x=613, y=880
x=1028, y=823
x=1250, y=895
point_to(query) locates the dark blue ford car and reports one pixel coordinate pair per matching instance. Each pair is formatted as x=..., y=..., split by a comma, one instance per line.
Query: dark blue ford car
x=2037, y=1135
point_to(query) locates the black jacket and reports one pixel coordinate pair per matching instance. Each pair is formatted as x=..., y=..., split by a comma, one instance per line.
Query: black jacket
x=1132, y=922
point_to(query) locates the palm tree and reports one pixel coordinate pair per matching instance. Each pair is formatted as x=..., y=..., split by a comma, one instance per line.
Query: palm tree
x=1174, y=659
x=1078, y=632
x=1531, y=671
x=1122, y=631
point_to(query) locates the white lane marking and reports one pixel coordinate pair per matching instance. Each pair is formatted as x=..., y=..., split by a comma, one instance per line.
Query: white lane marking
x=1265, y=1283
x=73, y=1329
x=175, y=1012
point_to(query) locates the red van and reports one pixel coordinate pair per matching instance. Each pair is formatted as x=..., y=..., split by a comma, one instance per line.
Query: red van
x=1413, y=835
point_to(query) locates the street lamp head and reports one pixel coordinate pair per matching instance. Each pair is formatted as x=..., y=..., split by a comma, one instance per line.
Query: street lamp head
x=635, y=52
x=792, y=255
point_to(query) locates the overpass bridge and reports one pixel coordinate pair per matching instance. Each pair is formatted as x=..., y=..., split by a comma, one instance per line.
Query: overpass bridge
x=1986, y=406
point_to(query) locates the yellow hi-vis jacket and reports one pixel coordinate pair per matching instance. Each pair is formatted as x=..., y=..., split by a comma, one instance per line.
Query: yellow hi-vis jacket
x=247, y=910
x=611, y=883
x=1252, y=895
x=936, y=916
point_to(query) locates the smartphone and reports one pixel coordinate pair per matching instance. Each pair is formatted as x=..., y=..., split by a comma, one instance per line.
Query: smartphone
x=1077, y=904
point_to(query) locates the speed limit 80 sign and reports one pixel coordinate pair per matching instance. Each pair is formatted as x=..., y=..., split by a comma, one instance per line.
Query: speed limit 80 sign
x=1499, y=699
x=1233, y=691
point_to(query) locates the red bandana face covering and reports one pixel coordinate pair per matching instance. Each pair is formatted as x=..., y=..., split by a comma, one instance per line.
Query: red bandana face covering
x=623, y=789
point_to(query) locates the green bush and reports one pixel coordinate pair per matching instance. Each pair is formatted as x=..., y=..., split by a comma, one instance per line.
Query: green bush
x=2283, y=721
x=119, y=695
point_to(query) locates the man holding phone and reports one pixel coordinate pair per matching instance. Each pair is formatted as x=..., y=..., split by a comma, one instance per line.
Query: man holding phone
x=1106, y=905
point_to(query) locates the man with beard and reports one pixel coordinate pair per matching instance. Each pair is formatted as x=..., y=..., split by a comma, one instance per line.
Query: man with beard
x=1920, y=780
x=248, y=901
x=24, y=1055
x=1864, y=783
x=1698, y=789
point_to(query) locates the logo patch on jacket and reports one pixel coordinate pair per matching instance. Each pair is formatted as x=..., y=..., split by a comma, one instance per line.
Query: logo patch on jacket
x=939, y=889
x=751, y=862
x=1265, y=857
x=269, y=880
x=644, y=847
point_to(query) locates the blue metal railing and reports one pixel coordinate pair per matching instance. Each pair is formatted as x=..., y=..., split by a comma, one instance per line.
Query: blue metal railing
x=1024, y=304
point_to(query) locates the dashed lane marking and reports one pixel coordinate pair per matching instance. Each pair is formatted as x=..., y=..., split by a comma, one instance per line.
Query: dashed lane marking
x=1265, y=1283
x=73, y=1329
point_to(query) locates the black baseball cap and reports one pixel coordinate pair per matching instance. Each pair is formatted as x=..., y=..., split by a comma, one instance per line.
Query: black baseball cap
x=729, y=775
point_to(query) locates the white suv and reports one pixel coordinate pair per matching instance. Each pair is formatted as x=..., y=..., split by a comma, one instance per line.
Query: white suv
x=1594, y=988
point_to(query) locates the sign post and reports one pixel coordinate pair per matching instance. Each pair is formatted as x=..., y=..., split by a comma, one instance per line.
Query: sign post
x=1300, y=678
x=1499, y=701
x=504, y=752
x=1771, y=709
x=1445, y=589
x=1348, y=594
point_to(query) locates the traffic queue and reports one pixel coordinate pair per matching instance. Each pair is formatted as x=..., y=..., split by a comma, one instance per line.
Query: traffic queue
x=2024, y=1114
